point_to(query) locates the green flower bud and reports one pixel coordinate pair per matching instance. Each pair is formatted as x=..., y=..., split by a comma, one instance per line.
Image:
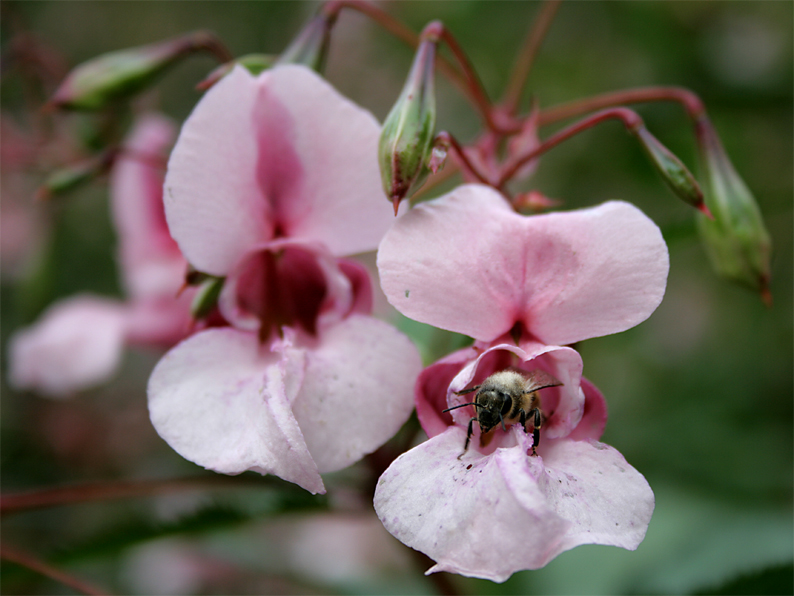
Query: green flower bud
x=406, y=141
x=69, y=178
x=736, y=239
x=673, y=171
x=206, y=296
x=118, y=75
x=310, y=47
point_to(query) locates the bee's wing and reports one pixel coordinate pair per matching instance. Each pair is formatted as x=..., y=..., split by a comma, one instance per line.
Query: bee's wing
x=539, y=379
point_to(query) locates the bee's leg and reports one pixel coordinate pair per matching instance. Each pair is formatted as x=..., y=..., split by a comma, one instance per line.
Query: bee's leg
x=468, y=437
x=536, y=422
x=465, y=391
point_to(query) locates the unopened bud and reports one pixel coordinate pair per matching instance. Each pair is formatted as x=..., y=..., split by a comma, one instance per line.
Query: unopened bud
x=118, y=75
x=69, y=178
x=310, y=47
x=406, y=141
x=736, y=239
x=206, y=296
x=255, y=63
x=673, y=171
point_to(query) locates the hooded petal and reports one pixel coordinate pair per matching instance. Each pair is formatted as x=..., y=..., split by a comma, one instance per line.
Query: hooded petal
x=77, y=343
x=480, y=516
x=151, y=263
x=357, y=390
x=466, y=262
x=281, y=154
x=286, y=282
x=594, y=418
x=223, y=401
x=436, y=386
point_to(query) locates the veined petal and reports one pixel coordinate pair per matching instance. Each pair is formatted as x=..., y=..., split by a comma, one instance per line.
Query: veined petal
x=467, y=263
x=480, y=516
x=77, y=343
x=357, y=390
x=222, y=401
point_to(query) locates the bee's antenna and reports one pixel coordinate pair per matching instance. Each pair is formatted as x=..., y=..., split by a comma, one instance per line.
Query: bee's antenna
x=502, y=420
x=460, y=406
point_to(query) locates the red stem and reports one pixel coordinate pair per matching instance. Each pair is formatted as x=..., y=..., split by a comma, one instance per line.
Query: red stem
x=66, y=495
x=691, y=102
x=631, y=120
x=34, y=564
x=397, y=29
x=445, y=137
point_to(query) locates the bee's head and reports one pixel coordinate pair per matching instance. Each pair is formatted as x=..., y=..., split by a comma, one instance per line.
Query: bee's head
x=492, y=406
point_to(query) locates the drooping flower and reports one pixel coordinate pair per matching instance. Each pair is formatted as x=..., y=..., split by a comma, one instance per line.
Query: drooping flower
x=271, y=185
x=522, y=287
x=78, y=342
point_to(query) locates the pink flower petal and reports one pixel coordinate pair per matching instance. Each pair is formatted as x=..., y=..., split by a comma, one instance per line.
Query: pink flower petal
x=76, y=344
x=223, y=402
x=594, y=418
x=150, y=260
x=466, y=262
x=340, y=201
x=213, y=203
x=464, y=514
x=436, y=386
x=357, y=391
x=281, y=154
x=287, y=282
x=591, y=485
x=491, y=515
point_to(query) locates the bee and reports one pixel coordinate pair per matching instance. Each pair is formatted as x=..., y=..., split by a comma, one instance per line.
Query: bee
x=507, y=397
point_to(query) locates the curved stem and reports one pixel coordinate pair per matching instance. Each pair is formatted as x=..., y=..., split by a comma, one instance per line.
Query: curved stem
x=96, y=491
x=397, y=29
x=631, y=120
x=34, y=564
x=468, y=166
x=691, y=102
x=526, y=56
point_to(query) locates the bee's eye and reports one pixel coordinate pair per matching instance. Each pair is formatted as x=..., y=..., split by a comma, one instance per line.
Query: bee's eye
x=507, y=405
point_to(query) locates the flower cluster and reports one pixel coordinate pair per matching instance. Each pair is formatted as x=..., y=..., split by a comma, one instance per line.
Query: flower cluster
x=270, y=186
x=78, y=342
x=523, y=287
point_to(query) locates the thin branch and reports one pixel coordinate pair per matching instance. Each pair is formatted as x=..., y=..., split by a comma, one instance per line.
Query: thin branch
x=34, y=564
x=467, y=165
x=98, y=491
x=400, y=31
x=631, y=120
x=691, y=102
x=526, y=56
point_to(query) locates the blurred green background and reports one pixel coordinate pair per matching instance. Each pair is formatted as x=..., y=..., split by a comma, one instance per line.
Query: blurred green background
x=700, y=395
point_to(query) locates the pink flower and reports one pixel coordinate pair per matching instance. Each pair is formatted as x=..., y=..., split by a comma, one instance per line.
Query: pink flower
x=273, y=180
x=519, y=285
x=79, y=342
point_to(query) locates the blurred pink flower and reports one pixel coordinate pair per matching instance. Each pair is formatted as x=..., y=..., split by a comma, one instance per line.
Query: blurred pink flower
x=273, y=180
x=78, y=342
x=519, y=285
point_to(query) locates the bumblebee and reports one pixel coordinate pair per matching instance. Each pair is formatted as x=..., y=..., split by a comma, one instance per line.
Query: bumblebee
x=507, y=397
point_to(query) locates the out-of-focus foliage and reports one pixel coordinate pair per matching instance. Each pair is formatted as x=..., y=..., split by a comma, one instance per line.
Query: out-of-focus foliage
x=700, y=395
